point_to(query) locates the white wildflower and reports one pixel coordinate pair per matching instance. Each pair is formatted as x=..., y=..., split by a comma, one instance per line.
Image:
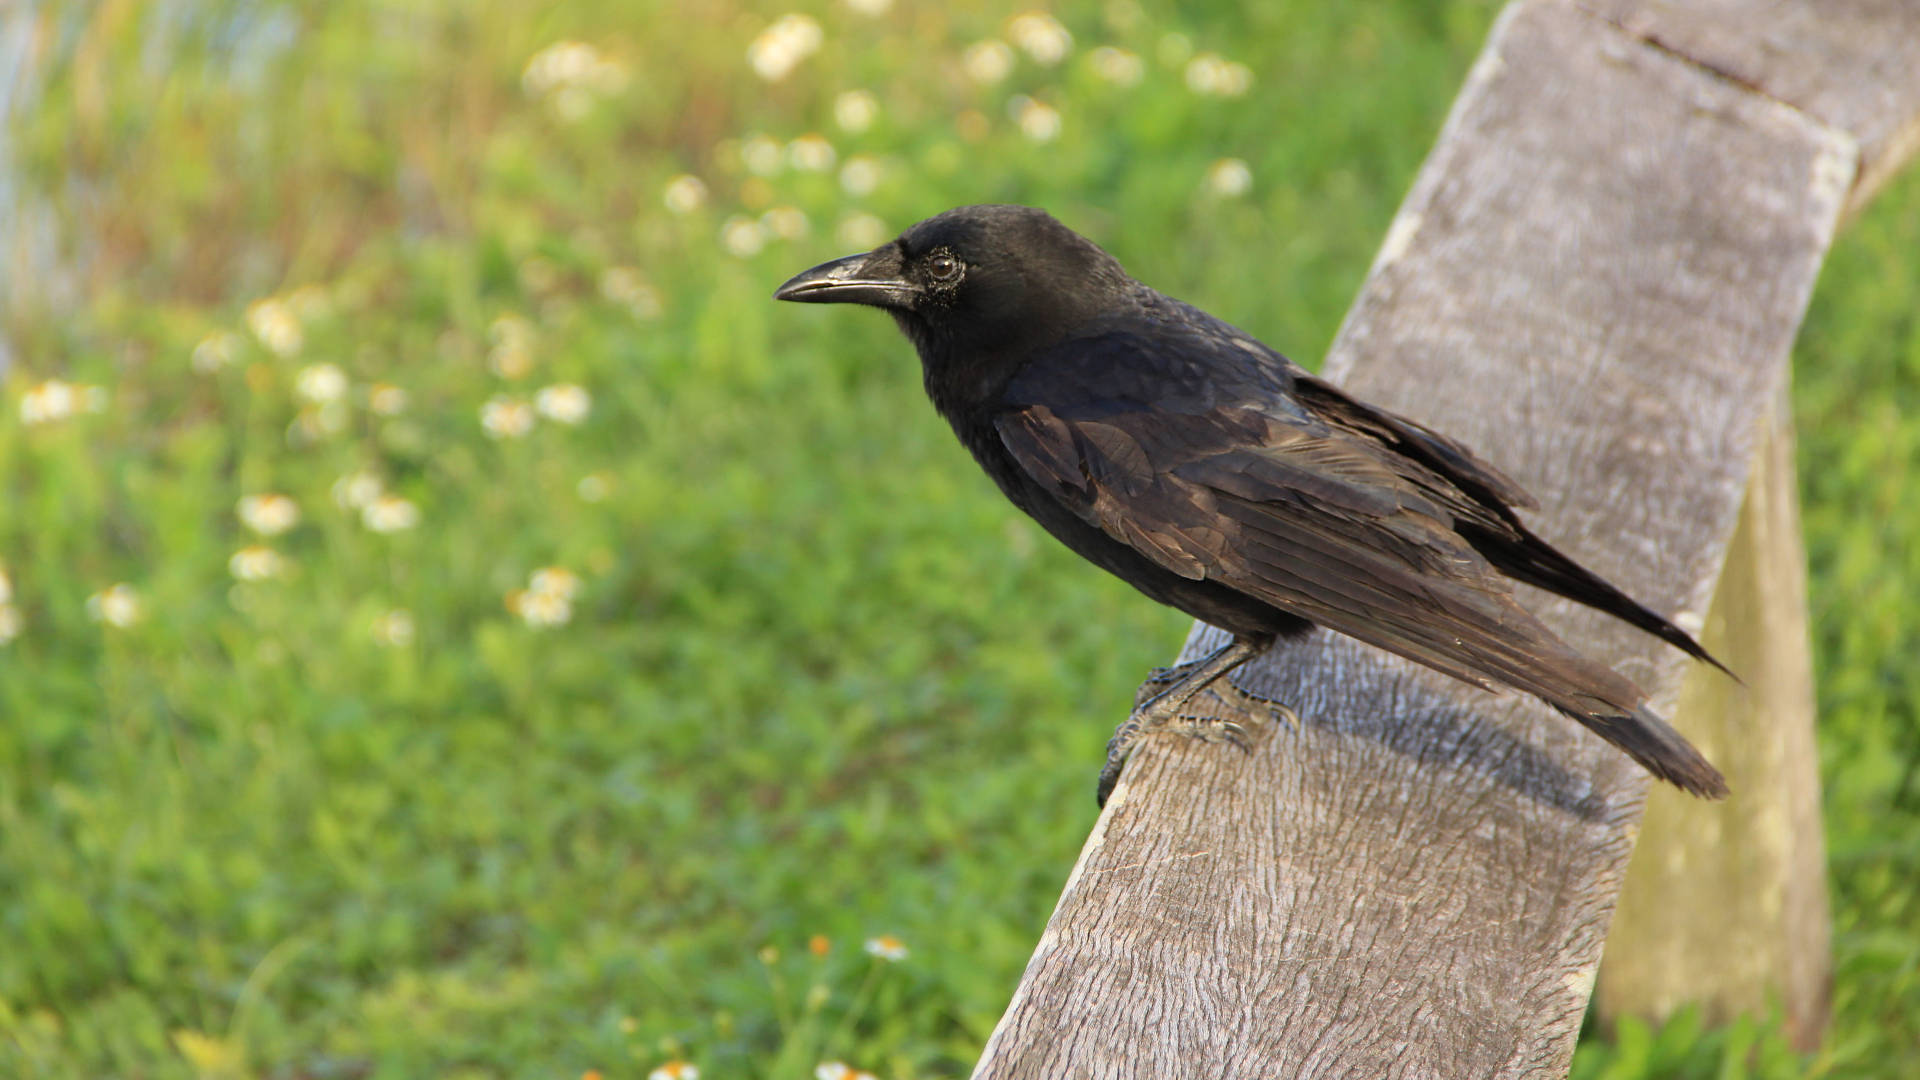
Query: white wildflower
x=540, y=610
x=11, y=621
x=870, y=8
x=887, y=947
x=554, y=581
x=47, y=402
x=115, y=605
x=675, y=1070
x=742, y=237
x=1229, y=178
x=215, y=351
x=987, y=62
x=855, y=111
x=386, y=399
x=1211, y=74
x=684, y=194
x=762, y=154
x=356, y=489
x=559, y=64
x=1037, y=121
x=1117, y=66
x=563, y=402
x=1040, y=36
x=318, y=384
x=256, y=562
x=269, y=514
x=275, y=324
x=811, y=153
x=781, y=47
x=573, y=72
x=506, y=418
x=389, y=514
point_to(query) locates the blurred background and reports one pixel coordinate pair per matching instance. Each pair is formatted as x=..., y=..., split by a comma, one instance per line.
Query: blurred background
x=453, y=623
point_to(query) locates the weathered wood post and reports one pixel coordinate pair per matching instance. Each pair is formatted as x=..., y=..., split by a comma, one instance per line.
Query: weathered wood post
x=1595, y=281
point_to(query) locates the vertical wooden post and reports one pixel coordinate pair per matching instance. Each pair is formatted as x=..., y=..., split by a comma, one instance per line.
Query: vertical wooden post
x=1725, y=904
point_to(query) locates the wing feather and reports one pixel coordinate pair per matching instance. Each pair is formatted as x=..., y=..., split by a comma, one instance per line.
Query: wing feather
x=1279, y=486
x=1315, y=521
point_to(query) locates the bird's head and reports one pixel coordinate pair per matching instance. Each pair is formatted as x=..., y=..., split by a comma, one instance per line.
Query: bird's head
x=976, y=284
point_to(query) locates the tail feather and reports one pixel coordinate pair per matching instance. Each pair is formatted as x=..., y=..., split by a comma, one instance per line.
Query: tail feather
x=1661, y=750
x=1536, y=562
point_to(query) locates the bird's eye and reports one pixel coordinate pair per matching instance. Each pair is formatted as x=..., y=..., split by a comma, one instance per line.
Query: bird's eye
x=942, y=266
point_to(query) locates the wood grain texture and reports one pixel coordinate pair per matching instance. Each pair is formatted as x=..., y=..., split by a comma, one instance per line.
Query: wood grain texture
x=1853, y=64
x=1726, y=905
x=1595, y=281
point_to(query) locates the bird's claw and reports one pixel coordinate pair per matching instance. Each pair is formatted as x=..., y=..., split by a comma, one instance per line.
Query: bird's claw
x=1235, y=733
x=1147, y=719
x=1160, y=678
x=1280, y=714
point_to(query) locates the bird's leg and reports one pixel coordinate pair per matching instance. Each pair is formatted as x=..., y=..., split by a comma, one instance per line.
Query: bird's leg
x=1277, y=710
x=1161, y=704
x=1160, y=678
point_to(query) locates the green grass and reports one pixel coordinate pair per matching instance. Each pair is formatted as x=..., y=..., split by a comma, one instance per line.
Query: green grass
x=819, y=682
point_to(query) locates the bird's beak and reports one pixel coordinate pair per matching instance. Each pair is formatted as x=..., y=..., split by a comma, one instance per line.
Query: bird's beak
x=871, y=278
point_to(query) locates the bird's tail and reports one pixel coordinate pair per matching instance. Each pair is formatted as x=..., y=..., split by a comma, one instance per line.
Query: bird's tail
x=1606, y=703
x=1532, y=560
x=1528, y=656
x=1652, y=742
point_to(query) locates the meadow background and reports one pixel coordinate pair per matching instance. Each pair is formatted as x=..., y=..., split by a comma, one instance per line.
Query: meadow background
x=453, y=624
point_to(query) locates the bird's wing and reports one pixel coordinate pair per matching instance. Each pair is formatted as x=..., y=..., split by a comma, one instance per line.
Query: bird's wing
x=1491, y=489
x=1289, y=510
x=1211, y=456
x=1336, y=529
x=1482, y=499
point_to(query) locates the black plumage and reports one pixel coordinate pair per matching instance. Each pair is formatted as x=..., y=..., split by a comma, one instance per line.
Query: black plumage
x=1216, y=476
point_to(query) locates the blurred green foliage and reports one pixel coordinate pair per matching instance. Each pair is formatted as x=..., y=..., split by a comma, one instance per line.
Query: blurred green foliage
x=817, y=682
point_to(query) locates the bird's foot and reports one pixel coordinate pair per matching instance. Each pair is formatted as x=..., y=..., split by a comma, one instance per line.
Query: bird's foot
x=1280, y=714
x=1160, y=678
x=1165, y=703
x=1178, y=717
x=1277, y=711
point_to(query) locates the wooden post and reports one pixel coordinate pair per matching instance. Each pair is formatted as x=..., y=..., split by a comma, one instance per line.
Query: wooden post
x=1595, y=281
x=1726, y=905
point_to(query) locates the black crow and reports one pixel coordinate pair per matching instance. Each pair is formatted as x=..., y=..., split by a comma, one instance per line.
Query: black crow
x=1215, y=475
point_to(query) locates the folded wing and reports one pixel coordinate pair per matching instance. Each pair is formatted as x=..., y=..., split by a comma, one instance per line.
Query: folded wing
x=1341, y=515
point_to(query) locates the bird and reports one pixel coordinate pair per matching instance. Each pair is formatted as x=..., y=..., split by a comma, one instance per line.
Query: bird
x=1216, y=476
